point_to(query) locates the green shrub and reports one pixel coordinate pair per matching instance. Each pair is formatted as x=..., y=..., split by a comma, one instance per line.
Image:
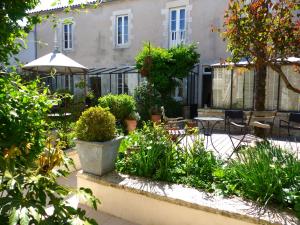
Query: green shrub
x=151, y=153
x=147, y=97
x=266, y=174
x=23, y=113
x=155, y=155
x=197, y=166
x=165, y=65
x=96, y=124
x=119, y=105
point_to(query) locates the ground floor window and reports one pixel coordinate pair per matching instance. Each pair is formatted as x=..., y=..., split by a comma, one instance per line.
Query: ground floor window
x=122, y=82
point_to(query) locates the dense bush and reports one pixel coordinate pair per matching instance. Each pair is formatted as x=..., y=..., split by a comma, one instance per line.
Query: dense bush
x=42, y=190
x=23, y=112
x=165, y=65
x=197, y=166
x=146, y=97
x=150, y=152
x=29, y=160
x=96, y=124
x=119, y=105
x=64, y=130
x=266, y=174
x=155, y=155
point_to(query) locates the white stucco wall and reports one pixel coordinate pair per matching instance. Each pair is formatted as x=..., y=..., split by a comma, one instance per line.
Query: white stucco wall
x=28, y=53
x=94, y=32
x=148, y=21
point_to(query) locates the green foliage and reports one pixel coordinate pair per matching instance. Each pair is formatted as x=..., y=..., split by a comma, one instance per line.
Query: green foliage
x=119, y=105
x=163, y=66
x=18, y=206
x=147, y=97
x=266, y=174
x=64, y=130
x=150, y=152
x=197, y=166
x=96, y=124
x=11, y=13
x=23, y=112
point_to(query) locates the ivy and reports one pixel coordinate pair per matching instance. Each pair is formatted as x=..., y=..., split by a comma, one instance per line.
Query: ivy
x=163, y=67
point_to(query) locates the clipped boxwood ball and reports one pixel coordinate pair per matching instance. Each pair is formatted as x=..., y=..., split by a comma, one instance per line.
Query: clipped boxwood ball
x=96, y=124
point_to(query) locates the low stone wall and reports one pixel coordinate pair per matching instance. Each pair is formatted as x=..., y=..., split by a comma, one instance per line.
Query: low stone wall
x=149, y=203
x=72, y=153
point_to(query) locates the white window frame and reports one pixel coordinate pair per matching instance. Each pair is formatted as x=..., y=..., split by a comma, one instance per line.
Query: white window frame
x=122, y=84
x=123, y=43
x=179, y=34
x=70, y=38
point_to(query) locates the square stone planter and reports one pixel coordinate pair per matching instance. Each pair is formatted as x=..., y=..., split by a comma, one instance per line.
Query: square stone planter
x=98, y=158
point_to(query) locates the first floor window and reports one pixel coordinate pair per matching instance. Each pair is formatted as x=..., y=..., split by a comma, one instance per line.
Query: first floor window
x=68, y=36
x=177, y=26
x=122, y=83
x=122, y=30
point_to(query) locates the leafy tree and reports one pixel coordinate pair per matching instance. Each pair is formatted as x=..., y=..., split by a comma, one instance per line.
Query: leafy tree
x=163, y=67
x=12, y=15
x=266, y=33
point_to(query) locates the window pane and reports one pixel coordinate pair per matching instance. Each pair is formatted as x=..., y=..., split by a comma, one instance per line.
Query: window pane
x=65, y=28
x=173, y=15
x=70, y=35
x=173, y=26
x=271, y=89
x=120, y=23
x=290, y=100
x=182, y=19
x=221, y=88
x=126, y=83
x=238, y=88
x=125, y=29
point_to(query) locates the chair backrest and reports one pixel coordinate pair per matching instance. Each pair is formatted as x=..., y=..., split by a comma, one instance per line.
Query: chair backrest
x=234, y=115
x=263, y=116
x=294, y=117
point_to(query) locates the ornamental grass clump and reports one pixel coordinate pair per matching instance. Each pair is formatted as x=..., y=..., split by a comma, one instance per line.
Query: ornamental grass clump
x=96, y=124
x=266, y=174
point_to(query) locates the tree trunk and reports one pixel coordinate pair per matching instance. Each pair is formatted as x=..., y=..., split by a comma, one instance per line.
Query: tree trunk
x=260, y=92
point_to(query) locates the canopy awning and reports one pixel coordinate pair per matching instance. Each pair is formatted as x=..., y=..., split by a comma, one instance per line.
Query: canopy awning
x=55, y=62
x=245, y=63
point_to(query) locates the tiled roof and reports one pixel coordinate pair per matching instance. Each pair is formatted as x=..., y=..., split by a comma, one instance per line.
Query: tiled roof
x=49, y=5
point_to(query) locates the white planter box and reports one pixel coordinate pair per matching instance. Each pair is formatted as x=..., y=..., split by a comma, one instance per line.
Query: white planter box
x=98, y=158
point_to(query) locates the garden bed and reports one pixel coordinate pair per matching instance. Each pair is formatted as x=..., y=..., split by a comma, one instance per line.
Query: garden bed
x=149, y=202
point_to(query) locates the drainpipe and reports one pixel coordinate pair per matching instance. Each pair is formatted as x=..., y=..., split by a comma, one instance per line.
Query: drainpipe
x=35, y=41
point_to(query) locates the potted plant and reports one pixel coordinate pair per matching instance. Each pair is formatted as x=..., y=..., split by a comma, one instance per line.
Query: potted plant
x=96, y=143
x=155, y=114
x=132, y=120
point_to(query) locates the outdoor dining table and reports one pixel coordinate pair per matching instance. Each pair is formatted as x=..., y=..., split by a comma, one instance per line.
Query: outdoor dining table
x=210, y=122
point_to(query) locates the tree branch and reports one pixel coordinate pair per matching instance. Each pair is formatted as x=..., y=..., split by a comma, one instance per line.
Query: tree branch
x=277, y=68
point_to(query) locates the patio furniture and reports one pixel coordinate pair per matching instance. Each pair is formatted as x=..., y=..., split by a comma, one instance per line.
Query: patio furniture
x=293, y=123
x=257, y=119
x=210, y=122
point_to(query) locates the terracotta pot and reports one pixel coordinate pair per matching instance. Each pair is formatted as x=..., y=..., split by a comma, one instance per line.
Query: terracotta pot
x=155, y=118
x=131, y=125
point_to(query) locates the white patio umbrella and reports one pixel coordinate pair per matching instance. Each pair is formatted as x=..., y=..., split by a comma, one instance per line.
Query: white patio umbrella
x=55, y=62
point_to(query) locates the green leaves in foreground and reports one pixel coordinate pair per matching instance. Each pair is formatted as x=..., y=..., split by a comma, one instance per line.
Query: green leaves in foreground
x=265, y=174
